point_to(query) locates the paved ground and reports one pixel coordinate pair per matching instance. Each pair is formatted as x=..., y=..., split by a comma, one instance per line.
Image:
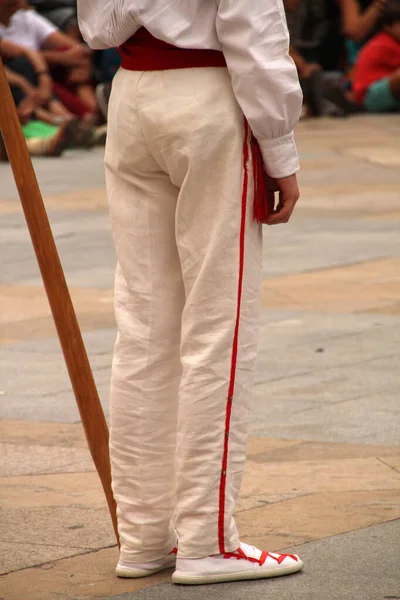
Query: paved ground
x=323, y=470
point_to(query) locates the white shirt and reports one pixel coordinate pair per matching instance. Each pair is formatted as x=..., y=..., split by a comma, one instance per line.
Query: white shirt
x=254, y=38
x=28, y=29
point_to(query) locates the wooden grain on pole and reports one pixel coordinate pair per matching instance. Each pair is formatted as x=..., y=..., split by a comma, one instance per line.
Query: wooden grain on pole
x=76, y=359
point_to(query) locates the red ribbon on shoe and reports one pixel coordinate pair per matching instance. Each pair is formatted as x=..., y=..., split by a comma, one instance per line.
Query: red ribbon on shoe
x=239, y=554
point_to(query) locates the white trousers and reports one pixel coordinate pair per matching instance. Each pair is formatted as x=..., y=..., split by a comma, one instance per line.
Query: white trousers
x=187, y=291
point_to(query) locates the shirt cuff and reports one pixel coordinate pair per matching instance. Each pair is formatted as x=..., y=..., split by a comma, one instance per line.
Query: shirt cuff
x=280, y=155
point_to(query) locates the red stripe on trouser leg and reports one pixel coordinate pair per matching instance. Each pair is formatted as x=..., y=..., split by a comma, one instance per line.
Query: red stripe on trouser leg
x=222, y=485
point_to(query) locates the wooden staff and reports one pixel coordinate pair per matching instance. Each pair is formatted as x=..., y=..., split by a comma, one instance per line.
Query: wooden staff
x=76, y=359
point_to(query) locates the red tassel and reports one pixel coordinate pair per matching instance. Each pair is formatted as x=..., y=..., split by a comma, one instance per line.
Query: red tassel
x=263, y=202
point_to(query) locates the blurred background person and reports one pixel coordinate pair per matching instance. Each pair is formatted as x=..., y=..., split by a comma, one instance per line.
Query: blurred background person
x=317, y=49
x=67, y=69
x=29, y=73
x=41, y=138
x=62, y=13
x=359, y=21
x=325, y=38
x=377, y=70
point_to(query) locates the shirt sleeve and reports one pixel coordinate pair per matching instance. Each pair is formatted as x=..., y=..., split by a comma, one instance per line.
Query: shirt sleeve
x=41, y=27
x=105, y=23
x=255, y=41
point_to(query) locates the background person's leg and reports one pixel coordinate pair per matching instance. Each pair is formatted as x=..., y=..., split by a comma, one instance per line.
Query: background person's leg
x=149, y=298
x=384, y=95
x=394, y=82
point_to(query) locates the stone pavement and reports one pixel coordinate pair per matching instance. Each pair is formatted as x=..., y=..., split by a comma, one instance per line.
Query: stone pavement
x=323, y=470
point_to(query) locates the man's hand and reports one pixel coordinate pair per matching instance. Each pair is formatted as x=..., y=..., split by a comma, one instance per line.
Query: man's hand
x=76, y=56
x=288, y=196
x=27, y=106
x=308, y=69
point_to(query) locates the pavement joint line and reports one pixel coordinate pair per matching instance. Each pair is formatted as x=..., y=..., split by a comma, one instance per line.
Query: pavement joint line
x=350, y=334
x=57, y=392
x=336, y=379
x=392, y=520
x=338, y=266
x=327, y=537
x=395, y=469
x=351, y=399
x=359, y=362
x=87, y=548
x=49, y=562
x=264, y=503
x=63, y=470
x=283, y=378
x=370, y=161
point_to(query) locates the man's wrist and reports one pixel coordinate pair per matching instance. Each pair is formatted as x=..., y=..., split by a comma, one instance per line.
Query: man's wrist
x=25, y=86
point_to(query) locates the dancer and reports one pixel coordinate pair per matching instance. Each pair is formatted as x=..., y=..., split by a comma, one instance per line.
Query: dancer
x=197, y=80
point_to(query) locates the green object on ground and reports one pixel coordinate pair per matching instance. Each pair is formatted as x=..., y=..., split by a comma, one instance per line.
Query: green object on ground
x=38, y=129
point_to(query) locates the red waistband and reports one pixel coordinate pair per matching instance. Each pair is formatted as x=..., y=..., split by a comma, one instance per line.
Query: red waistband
x=143, y=52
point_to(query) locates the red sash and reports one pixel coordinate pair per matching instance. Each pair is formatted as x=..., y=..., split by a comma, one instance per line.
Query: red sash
x=143, y=52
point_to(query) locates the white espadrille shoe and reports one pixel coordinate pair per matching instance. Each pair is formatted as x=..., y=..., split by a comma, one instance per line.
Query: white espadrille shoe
x=245, y=563
x=134, y=570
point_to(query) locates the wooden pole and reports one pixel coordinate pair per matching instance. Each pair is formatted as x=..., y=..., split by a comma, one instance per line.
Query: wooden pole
x=76, y=359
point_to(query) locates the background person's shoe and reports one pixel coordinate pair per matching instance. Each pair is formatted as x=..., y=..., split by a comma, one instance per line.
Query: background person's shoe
x=312, y=87
x=53, y=145
x=245, y=563
x=100, y=135
x=335, y=93
x=134, y=570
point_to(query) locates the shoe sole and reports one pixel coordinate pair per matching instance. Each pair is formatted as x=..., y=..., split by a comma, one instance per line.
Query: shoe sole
x=336, y=97
x=204, y=579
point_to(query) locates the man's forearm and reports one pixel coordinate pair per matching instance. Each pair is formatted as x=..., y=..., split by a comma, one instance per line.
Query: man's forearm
x=358, y=25
x=11, y=50
x=55, y=57
x=36, y=59
x=298, y=60
x=17, y=80
x=370, y=18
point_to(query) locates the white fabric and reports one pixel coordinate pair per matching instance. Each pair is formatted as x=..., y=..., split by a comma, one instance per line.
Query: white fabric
x=254, y=38
x=174, y=174
x=27, y=29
